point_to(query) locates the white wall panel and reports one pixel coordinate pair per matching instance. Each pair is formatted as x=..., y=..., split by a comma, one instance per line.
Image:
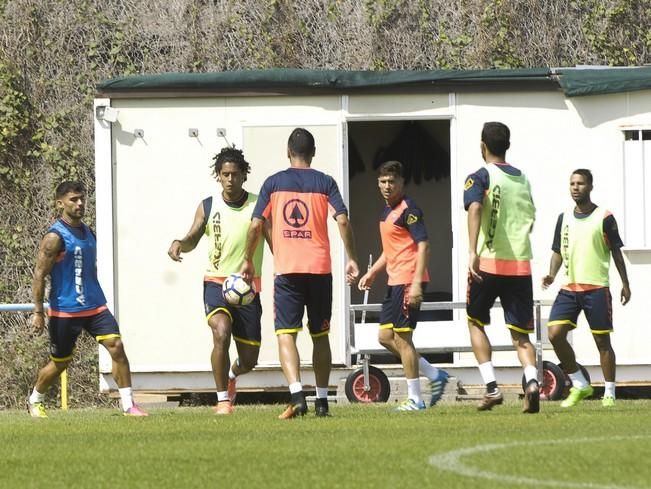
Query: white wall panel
x=158, y=181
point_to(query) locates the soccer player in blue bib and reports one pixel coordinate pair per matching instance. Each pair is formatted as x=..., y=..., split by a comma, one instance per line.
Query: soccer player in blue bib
x=584, y=239
x=68, y=254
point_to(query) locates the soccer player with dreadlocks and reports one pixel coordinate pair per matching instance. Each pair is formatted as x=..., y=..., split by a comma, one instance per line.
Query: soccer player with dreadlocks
x=224, y=218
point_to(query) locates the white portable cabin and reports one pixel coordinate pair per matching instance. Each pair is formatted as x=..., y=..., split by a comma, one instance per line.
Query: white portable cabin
x=155, y=137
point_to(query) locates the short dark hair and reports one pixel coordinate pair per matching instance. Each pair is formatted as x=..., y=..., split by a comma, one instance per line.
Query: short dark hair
x=391, y=167
x=497, y=137
x=67, y=187
x=301, y=143
x=229, y=154
x=585, y=173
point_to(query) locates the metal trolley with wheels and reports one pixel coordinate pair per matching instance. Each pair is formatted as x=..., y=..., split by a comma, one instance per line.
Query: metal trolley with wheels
x=370, y=384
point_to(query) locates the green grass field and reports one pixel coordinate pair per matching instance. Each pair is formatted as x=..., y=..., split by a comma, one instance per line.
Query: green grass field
x=366, y=446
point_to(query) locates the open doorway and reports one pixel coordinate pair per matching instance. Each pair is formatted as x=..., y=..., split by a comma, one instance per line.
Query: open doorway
x=423, y=147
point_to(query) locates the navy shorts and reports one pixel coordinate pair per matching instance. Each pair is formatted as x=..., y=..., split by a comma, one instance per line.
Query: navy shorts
x=596, y=304
x=396, y=313
x=64, y=332
x=245, y=320
x=293, y=293
x=515, y=294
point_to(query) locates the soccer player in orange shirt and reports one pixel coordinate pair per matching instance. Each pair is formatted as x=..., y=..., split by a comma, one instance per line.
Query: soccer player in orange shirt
x=405, y=251
x=298, y=201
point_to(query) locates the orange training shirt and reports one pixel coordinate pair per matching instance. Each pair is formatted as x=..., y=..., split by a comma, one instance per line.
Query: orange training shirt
x=401, y=229
x=298, y=201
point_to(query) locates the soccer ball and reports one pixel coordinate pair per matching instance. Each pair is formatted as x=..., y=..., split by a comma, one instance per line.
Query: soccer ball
x=236, y=291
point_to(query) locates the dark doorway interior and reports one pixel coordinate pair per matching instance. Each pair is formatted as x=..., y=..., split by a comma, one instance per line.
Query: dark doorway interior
x=423, y=147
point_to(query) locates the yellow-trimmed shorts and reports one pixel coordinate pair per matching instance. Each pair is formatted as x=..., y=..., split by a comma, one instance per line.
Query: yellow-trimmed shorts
x=245, y=320
x=295, y=292
x=64, y=331
x=396, y=313
x=596, y=304
x=516, y=296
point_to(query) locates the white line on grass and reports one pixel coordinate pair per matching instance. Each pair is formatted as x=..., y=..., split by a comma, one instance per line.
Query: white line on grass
x=451, y=462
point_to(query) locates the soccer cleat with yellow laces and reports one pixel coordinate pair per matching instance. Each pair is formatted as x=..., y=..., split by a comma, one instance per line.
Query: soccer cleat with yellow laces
x=36, y=410
x=411, y=405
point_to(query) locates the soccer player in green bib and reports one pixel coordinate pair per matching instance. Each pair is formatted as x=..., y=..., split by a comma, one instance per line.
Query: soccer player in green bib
x=500, y=218
x=224, y=218
x=584, y=239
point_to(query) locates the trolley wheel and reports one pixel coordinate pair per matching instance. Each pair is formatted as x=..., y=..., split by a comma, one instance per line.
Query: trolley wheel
x=568, y=382
x=553, y=384
x=379, y=388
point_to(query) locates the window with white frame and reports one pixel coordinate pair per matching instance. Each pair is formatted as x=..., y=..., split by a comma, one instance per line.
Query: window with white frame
x=637, y=188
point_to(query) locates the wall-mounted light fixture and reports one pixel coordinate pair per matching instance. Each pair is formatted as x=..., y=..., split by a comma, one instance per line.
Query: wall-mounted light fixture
x=106, y=113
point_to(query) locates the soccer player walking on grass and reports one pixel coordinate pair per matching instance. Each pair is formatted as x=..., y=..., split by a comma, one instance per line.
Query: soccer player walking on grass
x=68, y=254
x=297, y=200
x=501, y=214
x=405, y=252
x=584, y=239
x=224, y=219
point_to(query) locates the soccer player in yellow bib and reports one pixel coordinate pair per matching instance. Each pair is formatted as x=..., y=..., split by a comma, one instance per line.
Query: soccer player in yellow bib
x=584, y=239
x=500, y=218
x=224, y=218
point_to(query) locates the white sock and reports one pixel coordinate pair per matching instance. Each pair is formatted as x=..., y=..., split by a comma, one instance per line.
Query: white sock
x=321, y=392
x=427, y=369
x=126, y=396
x=413, y=390
x=487, y=372
x=530, y=373
x=609, y=389
x=36, y=397
x=295, y=387
x=222, y=396
x=578, y=379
